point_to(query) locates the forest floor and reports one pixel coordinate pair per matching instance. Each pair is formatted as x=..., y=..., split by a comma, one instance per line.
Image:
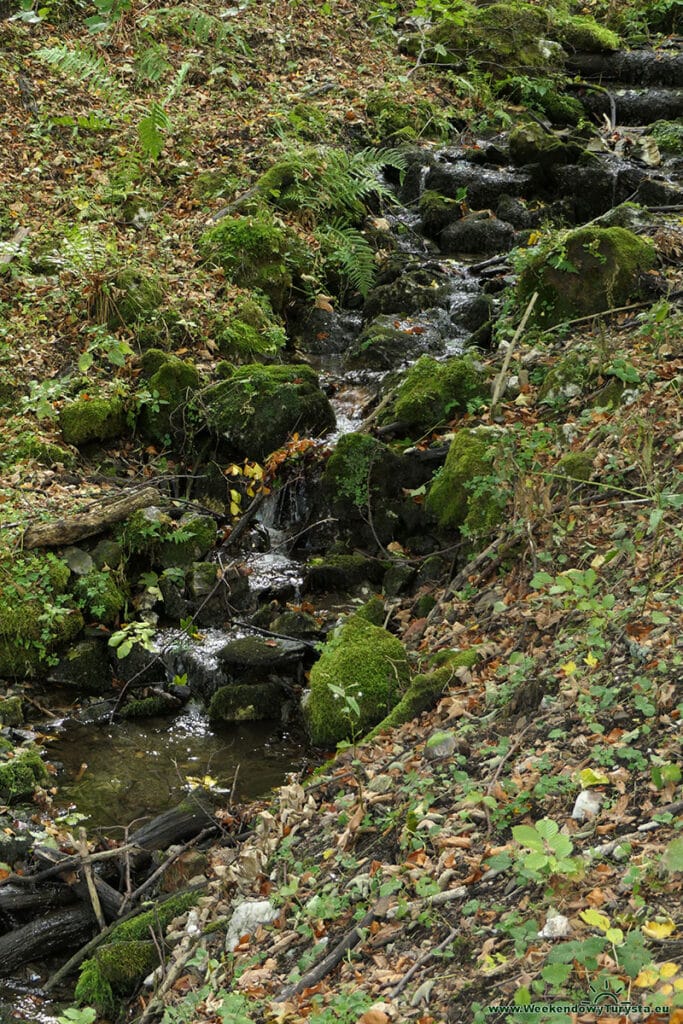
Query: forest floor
x=453, y=843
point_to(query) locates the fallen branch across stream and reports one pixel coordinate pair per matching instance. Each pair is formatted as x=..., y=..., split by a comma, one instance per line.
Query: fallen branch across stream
x=90, y=523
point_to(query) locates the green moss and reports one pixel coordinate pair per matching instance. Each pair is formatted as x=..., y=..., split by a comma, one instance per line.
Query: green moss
x=11, y=711
x=432, y=393
x=92, y=419
x=246, y=703
x=171, y=382
x=255, y=252
x=342, y=572
x=392, y=116
x=669, y=136
x=98, y=596
x=370, y=665
x=30, y=446
x=356, y=469
x=500, y=37
x=249, y=328
x=450, y=500
x=193, y=537
x=259, y=407
x=115, y=970
x=146, y=707
x=585, y=271
x=136, y=294
x=453, y=659
x=36, y=617
x=158, y=918
x=20, y=775
x=583, y=33
x=373, y=611
x=576, y=466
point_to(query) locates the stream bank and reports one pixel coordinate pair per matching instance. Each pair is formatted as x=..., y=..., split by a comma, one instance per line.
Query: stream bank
x=445, y=277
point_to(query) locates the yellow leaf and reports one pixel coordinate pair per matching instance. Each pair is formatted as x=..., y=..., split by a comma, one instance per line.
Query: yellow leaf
x=234, y=508
x=647, y=978
x=569, y=668
x=595, y=919
x=534, y=237
x=668, y=969
x=597, y=562
x=658, y=930
x=591, y=660
x=589, y=777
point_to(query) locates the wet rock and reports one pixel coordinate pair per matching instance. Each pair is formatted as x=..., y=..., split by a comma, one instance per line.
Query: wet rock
x=386, y=343
x=214, y=593
x=410, y=292
x=300, y=625
x=516, y=212
x=247, y=703
x=321, y=332
x=341, y=572
x=635, y=106
x=11, y=711
x=86, y=668
x=258, y=407
x=484, y=185
x=397, y=580
x=532, y=144
x=476, y=234
x=256, y=659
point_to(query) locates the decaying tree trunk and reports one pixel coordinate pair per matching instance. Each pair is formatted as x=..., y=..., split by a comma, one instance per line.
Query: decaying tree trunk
x=88, y=524
x=51, y=934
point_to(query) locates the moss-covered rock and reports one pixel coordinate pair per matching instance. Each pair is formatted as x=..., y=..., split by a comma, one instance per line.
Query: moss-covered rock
x=500, y=37
x=170, y=383
x=342, y=572
x=451, y=501
x=136, y=294
x=529, y=143
x=431, y=393
x=246, y=703
x=668, y=135
x=249, y=329
x=20, y=774
x=369, y=665
x=27, y=445
x=583, y=33
x=11, y=711
x=86, y=420
x=259, y=407
x=192, y=537
x=298, y=624
x=576, y=466
x=149, y=707
x=585, y=271
x=393, y=117
x=373, y=611
x=437, y=212
x=256, y=252
x=36, y=616
x=99, y=597
x=360, y=469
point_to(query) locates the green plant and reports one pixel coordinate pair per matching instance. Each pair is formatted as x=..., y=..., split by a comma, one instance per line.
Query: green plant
x=131, y=634
x=549, y=850
x=73, y=1015
x=103, y=344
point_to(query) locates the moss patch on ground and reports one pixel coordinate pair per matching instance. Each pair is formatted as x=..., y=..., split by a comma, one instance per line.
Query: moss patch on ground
x=432, y=393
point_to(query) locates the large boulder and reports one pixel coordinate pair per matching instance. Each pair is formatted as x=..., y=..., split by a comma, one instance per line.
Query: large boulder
x=362, y=666
x=588, y=270
x=87, y=419
x=169, y=385
x=256, y=410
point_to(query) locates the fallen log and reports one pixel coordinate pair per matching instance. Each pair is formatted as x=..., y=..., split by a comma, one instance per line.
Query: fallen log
x=51, y=934
x=193, y=815
x=87, y=524
x=110, y=898
x=14, y=900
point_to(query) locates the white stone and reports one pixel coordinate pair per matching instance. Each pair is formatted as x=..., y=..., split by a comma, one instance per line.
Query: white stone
x=556, y=926
x=587, y=805
x=247, y=918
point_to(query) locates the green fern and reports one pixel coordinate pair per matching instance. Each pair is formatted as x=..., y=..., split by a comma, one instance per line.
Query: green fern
x=152, y=129
x=330, y=182
x=151, y=64
x=348, y=252
x=83, y=250
x=85, y=67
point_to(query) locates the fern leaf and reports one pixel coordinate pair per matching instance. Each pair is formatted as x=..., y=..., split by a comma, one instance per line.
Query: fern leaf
x=85, y=67
x=151, y=131
x=178, y=81
x=350, y=253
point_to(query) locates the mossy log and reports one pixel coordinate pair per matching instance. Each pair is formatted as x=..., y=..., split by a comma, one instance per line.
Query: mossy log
x=87, y=524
